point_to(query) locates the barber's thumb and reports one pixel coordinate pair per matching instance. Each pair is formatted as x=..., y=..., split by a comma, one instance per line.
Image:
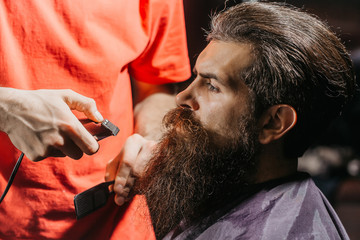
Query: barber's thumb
x=111, y=170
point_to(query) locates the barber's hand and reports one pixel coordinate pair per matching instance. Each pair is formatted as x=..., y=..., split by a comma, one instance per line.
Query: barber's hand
x=40, y=123
x=129, y=165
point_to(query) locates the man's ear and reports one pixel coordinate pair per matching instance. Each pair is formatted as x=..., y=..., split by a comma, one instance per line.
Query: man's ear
x=275, y=122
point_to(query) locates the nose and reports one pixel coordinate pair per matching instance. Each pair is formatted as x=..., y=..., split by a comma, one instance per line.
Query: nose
x=187, y=98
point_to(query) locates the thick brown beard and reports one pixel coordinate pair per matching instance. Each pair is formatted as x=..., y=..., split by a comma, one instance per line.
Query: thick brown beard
x=189, y=176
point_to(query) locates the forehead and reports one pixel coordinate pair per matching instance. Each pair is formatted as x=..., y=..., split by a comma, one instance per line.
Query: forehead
x=225, y=59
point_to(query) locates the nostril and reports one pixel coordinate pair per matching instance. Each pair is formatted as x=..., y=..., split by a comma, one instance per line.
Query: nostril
x=184, y=106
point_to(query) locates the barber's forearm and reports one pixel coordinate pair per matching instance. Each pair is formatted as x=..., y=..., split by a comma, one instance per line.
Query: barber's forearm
x=6, y=95
x=150, y=112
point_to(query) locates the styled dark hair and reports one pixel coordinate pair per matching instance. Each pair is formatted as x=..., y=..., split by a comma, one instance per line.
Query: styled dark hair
x=298, y=61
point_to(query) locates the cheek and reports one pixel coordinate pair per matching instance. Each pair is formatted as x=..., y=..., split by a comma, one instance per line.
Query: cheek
x=215, y=117
x=218, y=112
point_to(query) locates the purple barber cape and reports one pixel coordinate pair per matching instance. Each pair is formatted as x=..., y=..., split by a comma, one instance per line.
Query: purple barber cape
x=289, y=208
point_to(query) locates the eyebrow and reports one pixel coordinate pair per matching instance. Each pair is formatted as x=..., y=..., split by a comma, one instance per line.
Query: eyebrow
x=210, y=75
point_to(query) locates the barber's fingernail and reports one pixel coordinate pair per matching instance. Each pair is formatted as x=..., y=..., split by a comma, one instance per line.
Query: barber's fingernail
x=98, y=116
x=119, y=200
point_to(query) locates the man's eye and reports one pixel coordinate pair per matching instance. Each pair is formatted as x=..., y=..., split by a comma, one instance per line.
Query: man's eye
x=212, y=87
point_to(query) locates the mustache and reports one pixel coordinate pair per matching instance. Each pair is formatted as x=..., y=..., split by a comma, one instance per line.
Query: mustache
x=183, y=127
x=182, y=120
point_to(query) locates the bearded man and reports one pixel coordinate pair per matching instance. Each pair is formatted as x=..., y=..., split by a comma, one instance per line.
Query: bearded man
x=267, y=85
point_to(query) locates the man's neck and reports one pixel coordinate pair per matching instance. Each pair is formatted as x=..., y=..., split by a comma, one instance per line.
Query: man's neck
x=272, y=164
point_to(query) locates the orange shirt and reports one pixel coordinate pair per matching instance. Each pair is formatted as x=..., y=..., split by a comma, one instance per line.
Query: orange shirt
x=89, y=47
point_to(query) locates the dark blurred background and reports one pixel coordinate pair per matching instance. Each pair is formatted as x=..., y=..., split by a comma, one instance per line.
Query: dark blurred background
x=334, y=162
x=343, y=16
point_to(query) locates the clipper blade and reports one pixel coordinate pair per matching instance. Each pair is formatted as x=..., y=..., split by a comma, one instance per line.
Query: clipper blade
x=100, y=130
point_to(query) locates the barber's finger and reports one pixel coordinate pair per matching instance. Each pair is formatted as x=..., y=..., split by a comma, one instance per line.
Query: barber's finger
x=120, y=183
x=125, y=193
x=122, y=193
x=119, y=200
x=83, y=104
x=81, y=137
x=124, y=179
x=69, y=148
x=127, y=162
x=124, y=189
